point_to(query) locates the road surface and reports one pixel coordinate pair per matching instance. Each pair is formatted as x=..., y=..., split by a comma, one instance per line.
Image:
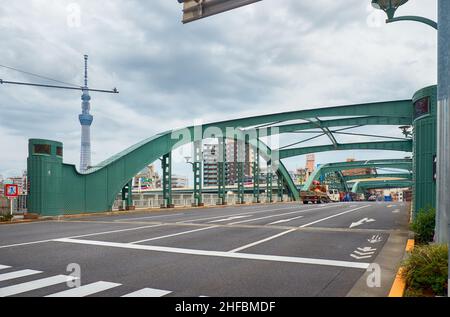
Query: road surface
x=272, y=250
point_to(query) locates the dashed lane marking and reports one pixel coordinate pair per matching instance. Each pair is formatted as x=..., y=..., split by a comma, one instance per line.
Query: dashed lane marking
x=86, y=290
x=173, y=235
x=334, y=216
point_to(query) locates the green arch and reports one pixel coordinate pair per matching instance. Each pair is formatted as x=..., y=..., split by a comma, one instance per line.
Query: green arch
x=96, y=190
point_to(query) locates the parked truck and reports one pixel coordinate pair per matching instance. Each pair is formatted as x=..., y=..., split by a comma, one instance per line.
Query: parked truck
x=317, y=194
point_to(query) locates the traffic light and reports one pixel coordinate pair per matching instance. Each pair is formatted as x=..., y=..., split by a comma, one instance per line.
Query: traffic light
x=199, y=9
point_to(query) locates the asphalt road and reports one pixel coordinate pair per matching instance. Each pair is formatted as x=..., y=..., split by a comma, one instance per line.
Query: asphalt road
x=251, y=251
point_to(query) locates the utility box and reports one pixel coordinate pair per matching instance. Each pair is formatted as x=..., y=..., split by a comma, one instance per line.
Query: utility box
x=44, y=166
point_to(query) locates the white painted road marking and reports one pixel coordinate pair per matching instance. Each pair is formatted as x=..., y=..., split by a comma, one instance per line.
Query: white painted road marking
x=230, y=219
x=360, y=257
x=33, y=285
x=86, y=290
x=334, y=216
x=278, y=215
x=262, y=241
x=238, y=214
x=174, y=235
x=285, y=220
x=148, y=292
x=82, y=236
x=244, y=256
x=148, y=217
x=361, y=222
x=3, y=267
x=17, y=274
x=396, y=211
x=375, y=239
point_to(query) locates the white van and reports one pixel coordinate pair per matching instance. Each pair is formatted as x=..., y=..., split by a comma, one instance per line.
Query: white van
x=334, y=195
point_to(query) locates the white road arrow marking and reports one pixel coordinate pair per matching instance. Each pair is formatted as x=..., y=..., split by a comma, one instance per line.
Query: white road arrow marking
x=230, y=219
x=285, y=220
x=361, y=222
x=367, y=249
x=364, y=253
x=375, y=239
x=360, y=257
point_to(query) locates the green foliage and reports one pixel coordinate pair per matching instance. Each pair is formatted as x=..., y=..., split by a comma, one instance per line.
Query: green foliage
x=426, y=271
x=424, y=225
x=6, y=218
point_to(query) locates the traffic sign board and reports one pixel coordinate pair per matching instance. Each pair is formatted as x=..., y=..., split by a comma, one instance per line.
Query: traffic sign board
x=11, y=191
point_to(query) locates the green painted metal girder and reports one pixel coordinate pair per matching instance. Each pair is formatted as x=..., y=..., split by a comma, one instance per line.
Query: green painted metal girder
x=361, y=186
x=347, y=122
x=403, y=146
x=401, y=108
x=405, y=164
x=389, y=175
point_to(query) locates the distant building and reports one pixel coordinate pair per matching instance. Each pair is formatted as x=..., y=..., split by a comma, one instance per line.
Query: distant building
x=147, y=179
x=310, y=163
x=210, y=166
x=358, y=171
x=301, y=176
x=232, y=162
x=179, y=181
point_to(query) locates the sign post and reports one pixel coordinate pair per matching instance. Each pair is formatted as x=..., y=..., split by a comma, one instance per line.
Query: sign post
x=11, y=192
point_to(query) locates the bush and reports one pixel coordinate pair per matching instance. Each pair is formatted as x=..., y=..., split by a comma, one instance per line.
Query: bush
x=425, y=271
x=6, y=218
x=424, y=225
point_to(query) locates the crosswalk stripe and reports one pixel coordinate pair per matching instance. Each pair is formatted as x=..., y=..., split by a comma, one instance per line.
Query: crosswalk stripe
x=33, y=285
x=148, y=292
x=2, y=267
x=86, y=290
x=17, y=274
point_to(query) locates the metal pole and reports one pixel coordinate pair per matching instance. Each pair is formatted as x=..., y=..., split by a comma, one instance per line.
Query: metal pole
x=11, y=200
x=443, y=162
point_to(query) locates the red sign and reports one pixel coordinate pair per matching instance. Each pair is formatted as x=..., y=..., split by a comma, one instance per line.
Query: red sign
x=11, y=191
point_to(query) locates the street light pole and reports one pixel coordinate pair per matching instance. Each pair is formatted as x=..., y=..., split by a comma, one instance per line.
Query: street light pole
x=443, y=162
x=443, y=113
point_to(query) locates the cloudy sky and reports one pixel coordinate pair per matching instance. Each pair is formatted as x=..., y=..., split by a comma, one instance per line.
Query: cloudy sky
x=275, y=55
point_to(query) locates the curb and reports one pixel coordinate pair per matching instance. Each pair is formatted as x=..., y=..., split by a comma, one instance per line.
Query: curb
x=399, y=286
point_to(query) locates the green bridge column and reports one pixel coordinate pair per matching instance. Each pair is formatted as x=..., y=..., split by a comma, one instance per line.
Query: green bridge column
x=241, y=171
x=280, y=189
x=197, y=169
x=256, y=174
x=425, y=148
x=269, y=182
x=167, y=181
x=127, y=196
x=222, y=173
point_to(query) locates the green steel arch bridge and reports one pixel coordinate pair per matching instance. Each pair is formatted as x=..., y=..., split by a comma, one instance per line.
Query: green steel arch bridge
x=58, y=188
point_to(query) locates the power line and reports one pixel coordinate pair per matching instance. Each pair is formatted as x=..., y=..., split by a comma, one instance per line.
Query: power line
x=40, y=76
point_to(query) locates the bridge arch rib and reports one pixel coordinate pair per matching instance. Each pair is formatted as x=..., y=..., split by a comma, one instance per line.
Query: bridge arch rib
x=95, y=190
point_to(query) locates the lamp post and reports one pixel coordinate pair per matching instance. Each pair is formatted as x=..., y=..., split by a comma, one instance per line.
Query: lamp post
x=443, y=115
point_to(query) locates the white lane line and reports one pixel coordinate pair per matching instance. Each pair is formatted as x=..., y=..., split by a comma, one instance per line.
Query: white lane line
x=230, y=219
x=262, y=241
x=148, y=217
x=86, y=290
x=174, y=235
x=148, y=292
x=238, y=214
x=334, y=216
x=74, y=237
x=278, y=215
x=244, y=256
x=3, y=267
x=17, y=274
x=285, y=220
x=33, y=285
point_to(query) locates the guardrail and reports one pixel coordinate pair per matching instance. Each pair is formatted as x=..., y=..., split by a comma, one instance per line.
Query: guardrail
x=187, y=201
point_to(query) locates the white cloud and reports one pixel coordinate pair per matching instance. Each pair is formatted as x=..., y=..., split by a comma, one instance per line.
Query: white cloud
x=276, y=55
